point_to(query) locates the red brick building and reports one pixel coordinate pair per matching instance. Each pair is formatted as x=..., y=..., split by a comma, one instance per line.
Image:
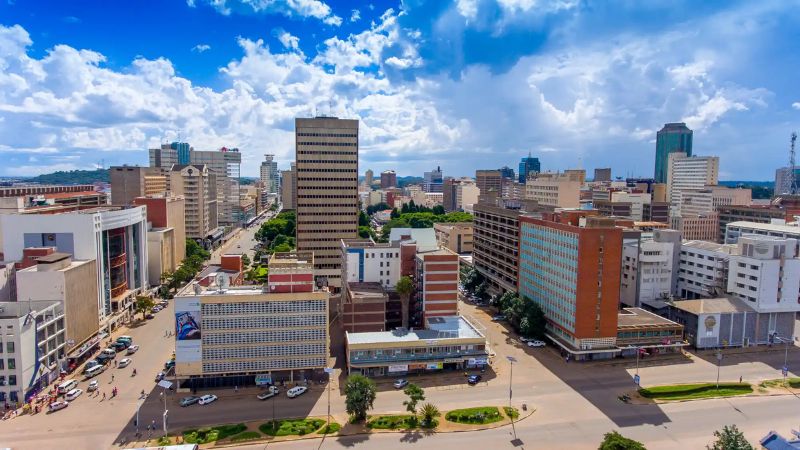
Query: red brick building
x=437, y=284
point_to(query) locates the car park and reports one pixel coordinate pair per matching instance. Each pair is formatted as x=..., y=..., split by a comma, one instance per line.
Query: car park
x=400, y=384
x=536, y=343
x=124, y=362
x=73, y=394
x=206, y=399
x=119, y=346
x=125, y=338
x=92, y=386
x=149, y=316
x=474, y=379
x=296, y=391
x=269, y=393
x=190, y=400
x=132, y=349
x=55, y=406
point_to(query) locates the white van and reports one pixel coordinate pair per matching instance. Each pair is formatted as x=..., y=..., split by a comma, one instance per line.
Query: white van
x=109, y=352
x=67, y=386
x=94, y=371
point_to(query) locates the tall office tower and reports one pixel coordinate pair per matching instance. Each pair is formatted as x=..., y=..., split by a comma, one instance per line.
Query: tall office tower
x=603, y=174
x=368, y=177
x=163, y=157
x=198, y=186
x=433, y=181
x=289, y=187
x=226, y=164
x=129, y=182
x=579, y=294
x=388, y=179
x=327, y=191
x=689, y=172
x=269, y=174
x=674, y=137
x=489, y=180
x=507, y=172
x=528, y=165
x=183, y=149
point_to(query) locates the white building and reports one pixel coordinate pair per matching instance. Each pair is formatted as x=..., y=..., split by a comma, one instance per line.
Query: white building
x=778, y=228
x=32, y=342
x=365, y=261
x=695, y=202
x=689, y=172
x=226, y=164
x=703, y=269
x=115, y=237
x=648, y=268
x=269, y=174
x=766, y=274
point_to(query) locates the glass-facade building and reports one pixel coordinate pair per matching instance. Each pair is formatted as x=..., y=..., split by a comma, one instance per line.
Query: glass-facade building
x=674, y=137
x=528, y=165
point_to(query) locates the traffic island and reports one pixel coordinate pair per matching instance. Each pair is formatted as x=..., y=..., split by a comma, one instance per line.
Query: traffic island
x=695, y=391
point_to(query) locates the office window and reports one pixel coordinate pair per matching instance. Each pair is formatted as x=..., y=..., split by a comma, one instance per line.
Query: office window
x=12, y=380
x=10, y=347
x=12, y=364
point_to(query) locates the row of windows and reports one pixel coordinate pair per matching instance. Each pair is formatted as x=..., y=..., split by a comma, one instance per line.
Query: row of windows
x=343, y=181
x=246, y=337
x=244, y=323
x=328, y=188
x=216, y=353
x=327, y=196
x=315, y=169
x=325, y=205
x=382, y=255
x=9, y=347
x=313, y=229
x=327, y=222
x=324, y=152
x=12, y=364
x=327, y=161
x=12, y=380
x=327, y=214
x=264, y=364
x=327, y=135
x=276, y=307
x=329, y=144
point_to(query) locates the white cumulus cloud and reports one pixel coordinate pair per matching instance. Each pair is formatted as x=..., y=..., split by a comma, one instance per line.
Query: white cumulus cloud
x=200, y=48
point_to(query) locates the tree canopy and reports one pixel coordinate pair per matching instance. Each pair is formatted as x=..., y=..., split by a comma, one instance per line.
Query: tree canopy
x=360, y=394
x=730, y=438
x=616, y=441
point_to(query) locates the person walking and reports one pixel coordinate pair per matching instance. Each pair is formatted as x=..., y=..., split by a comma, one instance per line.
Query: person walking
x=112, y=376
x=104, y=395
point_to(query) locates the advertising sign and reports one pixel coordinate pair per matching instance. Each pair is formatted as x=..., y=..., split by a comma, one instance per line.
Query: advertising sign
x=433, y=366
x=188, y=346
x=263, y=380
x=453, y=360
x=478, y=361
x=398, y=368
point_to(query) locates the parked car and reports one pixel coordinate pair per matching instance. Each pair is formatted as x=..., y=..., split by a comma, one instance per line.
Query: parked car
x=498, y=318
x=269, y=393
x=73, y=394
x=525, y=340
x=119, y=346
x=536, y=343
x=55, y=406
x=401, y=383
x=125, y=338
x=92, y=386
x=474, y=379
x=124, y=362
x=160, y=376
x=190, y=400
x=132, y=349
x=206, y=399
x=92, y=363
x=156, y=309
x=169, y=364
x=149, y=316
x=296, y=391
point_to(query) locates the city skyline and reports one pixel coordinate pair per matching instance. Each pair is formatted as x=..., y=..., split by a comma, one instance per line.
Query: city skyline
x=460, y=85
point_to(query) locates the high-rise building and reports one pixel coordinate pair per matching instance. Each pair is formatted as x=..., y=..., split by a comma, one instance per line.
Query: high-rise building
x=166, y=237
x=165, y=156
x=765, y=273
x=489, y=181
x=437, y=284
x=289, y=187
x=603, y=174
x=674, y=137
x=388, y=179
x=198, y=186
x=130, y=182
x=368, y=177
x=459, y=194
x=528, y=165
x=710, y=198
x=783, y=179
x=507, y=172
x=327, y=191
x=649, y=267
x=689, y=172
x=573, y=273
x=225, y=164
x=433, y=180
x=269, y=174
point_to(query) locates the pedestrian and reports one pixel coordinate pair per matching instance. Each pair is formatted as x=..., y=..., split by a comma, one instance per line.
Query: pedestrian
x=236, y=389
x=112, y=375
x=740, y=379
x=104, y=395
x=115, y=363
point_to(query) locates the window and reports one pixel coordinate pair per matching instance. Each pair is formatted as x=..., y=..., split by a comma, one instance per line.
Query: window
x=12, y=364
x=12, y=380
x=10, y=347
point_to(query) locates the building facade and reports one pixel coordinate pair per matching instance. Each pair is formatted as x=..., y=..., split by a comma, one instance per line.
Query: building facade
x=673, y=137
x=456, y=237
x=198, y=186
x=765, y=274
x=433, y=180
x=129, y=182
x=489, y=180
x=649, y=267
x=554, y=190
x=710, y=198
x=689, y=173
x=388, y=179
x=752, y=213
x=327, y=191
x=436, y=285
x=703, y=227
x=225, y=164
x=289, y=187
x=703, y=269
x=496, y=246
x=165, y=213
x=269, y=175
x=526, y=166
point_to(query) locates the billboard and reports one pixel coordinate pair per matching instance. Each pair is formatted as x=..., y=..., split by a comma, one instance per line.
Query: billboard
x=398, y=368
x=188, y=330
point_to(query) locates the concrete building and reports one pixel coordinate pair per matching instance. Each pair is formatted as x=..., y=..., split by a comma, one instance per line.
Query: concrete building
x=710, y=198
x=368, y=177
x=129, y=182
x=166, y=156
x=639, y=330
x=433, y=180
x=573, y=273
x=674, y=137
x=279, y=336
x=198, y=186
x=783, y=180
x=752, y=213
x=225, y=164
x=289, y=188
x=459, y=194
x=33, y=342
x=269, y=175
x=489, y=180
x=115, y=237
x=496, y=245
x=603, y=174
x=527, y=166
x=327, y=191
x=649, y=267
x=388, y=179
x=656, y=212
x=56, y=277
x=703, y=269
x=689, y=173
x=364, y=308
x=166, y=233
x=447, y=343
x=363, y=260
x=704, y=227
x=436, y=285
x=777, y=228
x=554, y=190
x=613, y=209
x=456, y=237
x=765, y=273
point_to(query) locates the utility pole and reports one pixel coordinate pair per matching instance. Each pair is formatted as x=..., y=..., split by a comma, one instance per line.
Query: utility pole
x=330, y=371
x=719, y=363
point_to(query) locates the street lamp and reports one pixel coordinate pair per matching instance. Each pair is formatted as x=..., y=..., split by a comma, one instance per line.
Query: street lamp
x=719, y=363
x=512, y=360
x=785, y=368
x=330, y=371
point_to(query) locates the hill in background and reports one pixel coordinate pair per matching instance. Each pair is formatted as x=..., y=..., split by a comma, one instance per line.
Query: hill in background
x=72, y=177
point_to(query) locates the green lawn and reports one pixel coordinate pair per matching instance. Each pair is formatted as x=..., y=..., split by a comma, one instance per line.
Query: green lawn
x=291, y=427
x=790, y=382
x=246, y=436
x=513, y=413
x=696, y=391
x=211, y=434
x=330, y=429
x=475, y=416
x=399, y=422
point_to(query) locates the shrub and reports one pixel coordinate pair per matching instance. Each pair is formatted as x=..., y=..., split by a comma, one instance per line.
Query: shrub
x=246, y=436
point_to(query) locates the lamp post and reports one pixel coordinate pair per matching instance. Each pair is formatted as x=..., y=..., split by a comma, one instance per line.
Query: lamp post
x=785, y=368
x=719, y=363
x=512, y=360
x=330, y=371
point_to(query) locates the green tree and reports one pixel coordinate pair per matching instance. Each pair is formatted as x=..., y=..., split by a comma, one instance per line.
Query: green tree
x=144, y=305
x=429, y=413
x=363, y=219
x=194, y=249
x=245, y=260
x=394, y=214
x=415, y=395
x=360, y=394
x=404, y=286
x=283, y=248
x=730, y=438
x=438, y=210
x=504, y=301
x=616, y=441
x=382, y=206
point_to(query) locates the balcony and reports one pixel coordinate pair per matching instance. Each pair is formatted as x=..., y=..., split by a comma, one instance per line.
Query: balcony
x=118, y=260
x=119, y=290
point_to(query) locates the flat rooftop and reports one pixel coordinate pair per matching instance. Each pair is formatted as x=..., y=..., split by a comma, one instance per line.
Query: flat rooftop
x=711, y=246
x=452, y=327
x=791, y=229
x=638, y=317
x=712, y=306
x=366, y=290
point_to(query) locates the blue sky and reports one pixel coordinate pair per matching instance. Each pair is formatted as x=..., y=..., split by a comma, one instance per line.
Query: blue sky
x=463, y=84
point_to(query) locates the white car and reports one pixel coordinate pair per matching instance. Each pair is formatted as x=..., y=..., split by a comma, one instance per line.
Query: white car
x=132, y=349
x=535, y=343
x=124, y=362
x=206, y=399
x=92, y=386
x=296, y=391
x=73, y=394
x=269, y=393
x=55, y=406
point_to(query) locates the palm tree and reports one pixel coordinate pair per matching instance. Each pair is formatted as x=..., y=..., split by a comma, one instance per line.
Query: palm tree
x=429, y=413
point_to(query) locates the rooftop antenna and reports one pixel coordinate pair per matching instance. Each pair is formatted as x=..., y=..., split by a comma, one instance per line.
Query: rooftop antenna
x=792, y=176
